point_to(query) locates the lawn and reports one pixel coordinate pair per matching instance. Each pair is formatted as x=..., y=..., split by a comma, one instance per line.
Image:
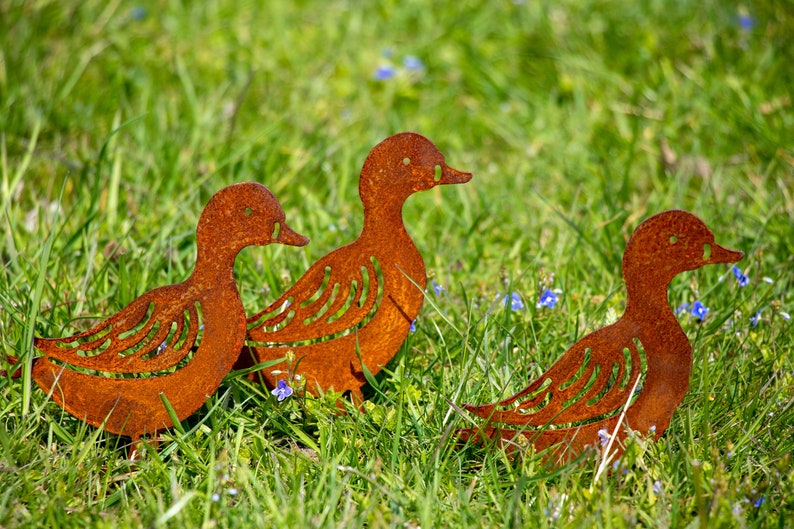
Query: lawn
x=119, y=120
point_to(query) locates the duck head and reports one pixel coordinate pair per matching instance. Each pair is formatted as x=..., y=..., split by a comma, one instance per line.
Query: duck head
x=669, y=243
x=404, y=164
x=245, y=214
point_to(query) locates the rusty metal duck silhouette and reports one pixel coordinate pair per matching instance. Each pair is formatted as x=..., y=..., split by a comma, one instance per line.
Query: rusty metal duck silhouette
x=359, y=299
x=587, y=389
x=174, y=343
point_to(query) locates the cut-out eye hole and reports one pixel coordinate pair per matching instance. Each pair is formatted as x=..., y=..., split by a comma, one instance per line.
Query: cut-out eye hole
x=276, y=230
x=673, y=239
x=438, y=173
x=248, y=212
x=406, y=160
x=706, y=251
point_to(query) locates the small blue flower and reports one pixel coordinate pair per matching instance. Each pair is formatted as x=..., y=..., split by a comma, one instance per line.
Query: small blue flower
x=413, y=64
x=740, y=277
x=548, y=299
x=746, y=22
x=603, y=436
x=438, y=289
x=384, y=73
x=683, y=307
x=413, y=326
x=282, y=391
x=755, y=318
x=514, y=300
x=699, y=310
x=162, y=347
x=759, y=501
x=657, y=487
x=138, y=13
x=785, y=315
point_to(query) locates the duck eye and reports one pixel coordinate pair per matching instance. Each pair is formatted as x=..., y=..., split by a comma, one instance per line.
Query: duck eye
x=438, y=173
x=406, y=160
x=276, y=230
x=248, y=212
x=706, y=251
x=673, y=239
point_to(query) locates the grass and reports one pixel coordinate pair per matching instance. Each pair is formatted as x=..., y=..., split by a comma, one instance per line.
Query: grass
x=578, y=120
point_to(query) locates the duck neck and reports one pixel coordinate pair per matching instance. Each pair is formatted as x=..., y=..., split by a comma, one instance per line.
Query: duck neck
x=384, y=219
x=666, y=345
x=214, y=265
x=668, y=353
x=648, y=298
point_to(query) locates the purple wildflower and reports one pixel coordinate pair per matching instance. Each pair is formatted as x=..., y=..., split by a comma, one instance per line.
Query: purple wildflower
x=384, y=73
x=513, y=300
x=755, y=318
x=438, y=289
x=699, y=310
x=603, y=436
x=657, y=487
x=740, y=277
x=548, y=299
x=683, y=307
x=413, y=64
x=282, y=390
x=746, y=22
x=413, y=326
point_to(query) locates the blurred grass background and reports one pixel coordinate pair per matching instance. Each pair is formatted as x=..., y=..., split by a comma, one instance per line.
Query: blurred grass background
x=120, y=119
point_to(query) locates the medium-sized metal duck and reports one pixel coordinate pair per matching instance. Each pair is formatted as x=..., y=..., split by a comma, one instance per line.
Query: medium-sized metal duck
x=173, y=345
x=582, y=398
x=357, y=303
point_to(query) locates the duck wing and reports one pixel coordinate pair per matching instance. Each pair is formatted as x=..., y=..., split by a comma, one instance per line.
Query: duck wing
x=153, y=333
x=338, y=293
x=593, y=379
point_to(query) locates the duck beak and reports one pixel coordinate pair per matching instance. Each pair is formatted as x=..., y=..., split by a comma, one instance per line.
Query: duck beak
x=452, y=176
x=723, y=255
x=286, y=235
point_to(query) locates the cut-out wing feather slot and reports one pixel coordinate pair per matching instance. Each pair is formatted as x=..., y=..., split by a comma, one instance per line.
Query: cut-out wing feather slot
x=143, y=338
x=326, y=301
x=584, y=385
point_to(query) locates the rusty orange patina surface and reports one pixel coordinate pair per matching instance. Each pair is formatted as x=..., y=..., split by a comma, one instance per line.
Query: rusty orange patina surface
x=356, y=304
x=587, y=390
x=173, y=344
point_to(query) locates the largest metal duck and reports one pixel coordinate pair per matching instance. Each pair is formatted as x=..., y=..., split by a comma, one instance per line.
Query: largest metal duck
x=173, y=345
x=579, y=400
x=357, y=303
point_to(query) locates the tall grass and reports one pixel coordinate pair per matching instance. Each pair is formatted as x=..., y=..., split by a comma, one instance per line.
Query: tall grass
x=578, y=119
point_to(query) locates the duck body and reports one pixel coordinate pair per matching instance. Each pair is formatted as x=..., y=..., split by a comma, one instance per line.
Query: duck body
x=135, y=406
x=356, y=304
x=374, y=325
x=600, y=380
x=174, y=343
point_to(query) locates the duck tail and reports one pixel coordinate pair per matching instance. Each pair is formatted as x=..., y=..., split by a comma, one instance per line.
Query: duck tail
x=12, y=361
